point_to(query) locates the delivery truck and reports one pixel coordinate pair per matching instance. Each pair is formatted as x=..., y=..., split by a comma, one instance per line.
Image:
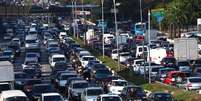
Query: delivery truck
x=6, y=76
x=185, y=49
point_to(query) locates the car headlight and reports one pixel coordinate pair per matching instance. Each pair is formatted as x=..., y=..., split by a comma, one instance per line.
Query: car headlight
x=75, y=94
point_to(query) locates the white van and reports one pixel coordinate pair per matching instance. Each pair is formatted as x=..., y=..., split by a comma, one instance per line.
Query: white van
x=156, y=55
x=55, y=58
x=13, y=95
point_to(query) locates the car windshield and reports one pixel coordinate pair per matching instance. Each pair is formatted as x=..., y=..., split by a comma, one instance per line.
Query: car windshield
x=30, y=62
x=163, y=97
x=183, y=64
x=53, y=98
x=30, y=41
x=94, y=92
x=32, y=82
x=53, y=45
x=43, y=89
x=80, y=85
x=58, y=59
x=20, y=75
x=125, y=54
x=31, y=55
x=164, y=71
x=120, y=83
x=7, y=53
x=103, y=72
x=4, y=87
x=111, y=98
x=88, y=58
x=16, y=98
x=65, y=77
x=195, y=80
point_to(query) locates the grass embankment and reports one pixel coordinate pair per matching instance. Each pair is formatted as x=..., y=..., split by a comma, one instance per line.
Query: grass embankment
x=179, y=94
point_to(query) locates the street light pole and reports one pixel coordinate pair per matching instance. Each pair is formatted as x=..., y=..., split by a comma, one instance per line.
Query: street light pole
x=141, y=11
x=149, y=35
x=116, y=31
x=73, y=12
x=103, y=41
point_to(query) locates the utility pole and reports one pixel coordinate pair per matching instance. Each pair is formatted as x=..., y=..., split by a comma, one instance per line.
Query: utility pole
x=116, y=31
x=103, y=40
x=149, y=35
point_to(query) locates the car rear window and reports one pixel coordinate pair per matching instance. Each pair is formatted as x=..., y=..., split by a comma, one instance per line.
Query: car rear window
x=111, y=98
x=195, y=80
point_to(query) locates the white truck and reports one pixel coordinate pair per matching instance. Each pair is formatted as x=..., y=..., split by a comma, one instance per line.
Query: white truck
x=6, y=76
x=185, y=49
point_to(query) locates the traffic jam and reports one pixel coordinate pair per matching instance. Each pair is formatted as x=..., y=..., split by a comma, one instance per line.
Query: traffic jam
x=42, y=62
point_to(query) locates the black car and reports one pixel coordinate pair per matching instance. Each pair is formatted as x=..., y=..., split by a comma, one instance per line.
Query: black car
x=28, y=85
x=160, y=96
x=132, y=93
x=20, y=78
x=38, y=89
x=32, y=72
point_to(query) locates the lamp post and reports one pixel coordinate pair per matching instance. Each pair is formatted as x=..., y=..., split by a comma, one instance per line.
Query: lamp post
x=116, y=31
x=73, y=15
x=103, y=41
x=149, y=35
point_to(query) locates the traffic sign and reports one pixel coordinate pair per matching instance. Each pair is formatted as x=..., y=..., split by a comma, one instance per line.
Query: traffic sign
x=158, y=14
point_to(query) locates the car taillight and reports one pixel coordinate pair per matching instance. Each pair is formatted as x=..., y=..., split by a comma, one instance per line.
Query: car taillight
x=28, y=88
x=189, y=85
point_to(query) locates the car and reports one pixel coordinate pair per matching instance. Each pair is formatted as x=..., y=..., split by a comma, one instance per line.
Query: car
x=85, y=59
x=193, y=83
x=71, y=79
x=109, y=97
x=197, y=71
x=32, y=72
x=168, y=62
x=133, y=93
x=123, y=56
x=98, y=66
x=13, y=95
x=116, y=86
x=51, y=97
x=29, y=85
x=163, y=73
x=62, y=79
x=160, y=96
x=38, y=89
x=20, y=78
x=91, y=93
x=32, y=55
x=184, y=66
x=114, y=54
x=76, y=88
x=16, y=41
x=8, y=55
x=101, y=74
x=29, y=61
x=53, y=59
x=92, y=63
x=174, y=77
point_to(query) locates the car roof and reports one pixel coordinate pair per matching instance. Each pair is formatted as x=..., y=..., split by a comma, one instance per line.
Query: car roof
x=91, y=88
x=79, y=81
x=12, y=93
x=58, y=55
x=106, y=95
x=120, y=80
x=50, y=94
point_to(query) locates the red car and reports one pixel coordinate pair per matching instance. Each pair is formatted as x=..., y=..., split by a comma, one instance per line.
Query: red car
x=174, y=77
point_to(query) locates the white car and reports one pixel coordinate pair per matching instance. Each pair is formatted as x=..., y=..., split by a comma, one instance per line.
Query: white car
x=124, y=56
x=91, y=93
x=51, y=97
x=109, y=97
x=30, y=61
x=53, y=59
x=136, y=64
x=85, y=59
x=114, y=54
x=14, y=95
x=116, y=86
x=63, y=78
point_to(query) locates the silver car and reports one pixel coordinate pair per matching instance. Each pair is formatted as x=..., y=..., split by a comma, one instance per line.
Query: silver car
x=193, y=83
